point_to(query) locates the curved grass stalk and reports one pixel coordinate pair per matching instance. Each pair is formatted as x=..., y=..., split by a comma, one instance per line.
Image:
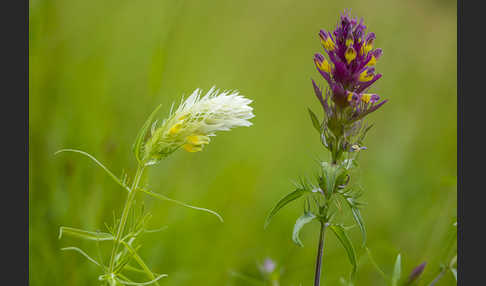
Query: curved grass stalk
x=82, y=253
x=115, y=178
x=165, y=198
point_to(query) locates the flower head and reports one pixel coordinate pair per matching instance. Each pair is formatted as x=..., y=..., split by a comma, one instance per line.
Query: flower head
x=350, y=70
x=196, y=119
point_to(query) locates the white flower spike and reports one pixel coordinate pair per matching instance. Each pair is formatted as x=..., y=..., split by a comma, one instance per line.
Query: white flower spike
x=195, y=120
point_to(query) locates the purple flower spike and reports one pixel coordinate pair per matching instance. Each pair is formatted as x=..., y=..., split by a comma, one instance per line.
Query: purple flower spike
x=349, y=69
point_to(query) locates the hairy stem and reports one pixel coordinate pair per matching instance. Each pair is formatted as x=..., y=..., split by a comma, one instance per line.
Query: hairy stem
x=320, y=250
x=124, y=217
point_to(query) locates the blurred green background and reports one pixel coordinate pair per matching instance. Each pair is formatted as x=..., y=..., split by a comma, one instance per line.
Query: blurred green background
x=98, y=68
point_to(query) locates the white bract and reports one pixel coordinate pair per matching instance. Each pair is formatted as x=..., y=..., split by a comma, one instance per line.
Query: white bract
x=195, y=120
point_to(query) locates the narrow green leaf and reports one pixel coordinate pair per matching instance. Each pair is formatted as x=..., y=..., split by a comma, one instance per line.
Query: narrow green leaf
x=142, y=283
x=115, y=178
x=315, y=121
x=141, y=134
x=162, y=197
x=301, y=221
x=348, y=246
x=82, y=253
x=283, y=202
x=358, y=219
x=84, y=234
x=397, y=271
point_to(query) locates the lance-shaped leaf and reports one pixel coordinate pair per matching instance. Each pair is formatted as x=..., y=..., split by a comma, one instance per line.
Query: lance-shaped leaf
x=283, y=202
x=301, y=221
x=136, y=147
x=357, y=217
x=348, y=246
x=397, y=270
x=84, y=234
x=315, y=121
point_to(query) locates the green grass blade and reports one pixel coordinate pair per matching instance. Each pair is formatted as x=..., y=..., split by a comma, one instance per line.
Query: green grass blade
x=165, y=198
x=115, y=178
x=348, y=246
x=397, y=271
x=283, y=202
x=82, y=253
x=84, y=234
x=301, y=221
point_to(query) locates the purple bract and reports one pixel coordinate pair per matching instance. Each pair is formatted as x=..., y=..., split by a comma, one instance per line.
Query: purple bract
x=350, y=70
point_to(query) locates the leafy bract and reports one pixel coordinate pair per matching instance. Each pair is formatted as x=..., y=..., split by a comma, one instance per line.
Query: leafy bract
x=331, y=173
x=136, y=147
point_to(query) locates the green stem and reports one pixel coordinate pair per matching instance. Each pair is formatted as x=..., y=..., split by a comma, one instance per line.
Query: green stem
x=320, y=250
x=126, y=211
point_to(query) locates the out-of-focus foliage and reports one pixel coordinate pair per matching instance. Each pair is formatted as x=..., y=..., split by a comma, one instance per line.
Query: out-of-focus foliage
x=98, y=68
